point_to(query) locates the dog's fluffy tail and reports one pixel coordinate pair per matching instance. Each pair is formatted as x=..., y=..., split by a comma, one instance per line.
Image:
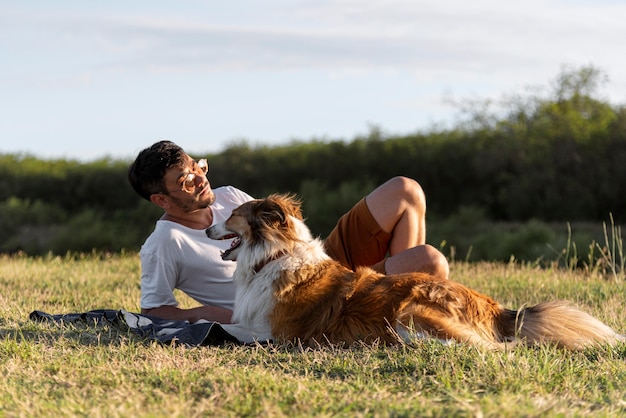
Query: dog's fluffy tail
x=556, y=322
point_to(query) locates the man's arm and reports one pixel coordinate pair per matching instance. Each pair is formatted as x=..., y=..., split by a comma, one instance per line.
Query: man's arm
x=210, y=313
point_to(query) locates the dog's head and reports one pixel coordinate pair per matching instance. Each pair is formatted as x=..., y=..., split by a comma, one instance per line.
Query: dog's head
x=258, y=222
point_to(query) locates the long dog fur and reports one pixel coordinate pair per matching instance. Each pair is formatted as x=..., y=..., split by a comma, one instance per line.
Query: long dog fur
x=288, y=287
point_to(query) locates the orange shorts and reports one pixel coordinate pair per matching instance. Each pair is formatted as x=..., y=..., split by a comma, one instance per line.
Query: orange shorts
x=357, y=239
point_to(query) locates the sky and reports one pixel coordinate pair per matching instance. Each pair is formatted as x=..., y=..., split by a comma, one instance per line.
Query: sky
x=87, y=80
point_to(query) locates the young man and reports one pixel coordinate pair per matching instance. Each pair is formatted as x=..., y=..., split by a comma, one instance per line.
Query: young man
x=385, y=230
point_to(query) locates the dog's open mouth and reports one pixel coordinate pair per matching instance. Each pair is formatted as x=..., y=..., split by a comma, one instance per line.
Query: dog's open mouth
x=233, y=245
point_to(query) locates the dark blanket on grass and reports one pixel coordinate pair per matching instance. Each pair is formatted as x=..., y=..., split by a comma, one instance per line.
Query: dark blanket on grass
x=166, y=331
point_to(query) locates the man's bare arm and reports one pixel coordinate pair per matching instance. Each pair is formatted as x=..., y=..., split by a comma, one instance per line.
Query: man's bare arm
x=210, y=313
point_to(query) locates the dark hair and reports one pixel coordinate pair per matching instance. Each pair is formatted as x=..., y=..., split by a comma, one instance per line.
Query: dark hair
x=146, y=173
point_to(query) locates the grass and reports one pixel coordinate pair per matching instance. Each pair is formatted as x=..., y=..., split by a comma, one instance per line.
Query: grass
x=86, y=370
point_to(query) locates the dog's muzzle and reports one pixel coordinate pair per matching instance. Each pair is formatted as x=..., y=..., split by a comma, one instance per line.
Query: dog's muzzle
x=218, y=233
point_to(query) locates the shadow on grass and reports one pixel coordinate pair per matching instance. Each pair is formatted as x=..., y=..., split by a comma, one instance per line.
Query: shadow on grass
x=85, y=334
x=111, y=327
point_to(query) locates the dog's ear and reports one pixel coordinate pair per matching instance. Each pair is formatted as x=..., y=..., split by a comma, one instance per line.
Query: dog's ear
x=268, y=212
x=289, y=203
x=276, y=209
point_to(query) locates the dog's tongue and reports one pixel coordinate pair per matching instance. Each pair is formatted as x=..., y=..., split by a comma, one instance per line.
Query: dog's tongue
x=236, y=243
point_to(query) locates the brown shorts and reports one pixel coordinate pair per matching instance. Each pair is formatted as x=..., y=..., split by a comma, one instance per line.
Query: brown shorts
x=357, y=239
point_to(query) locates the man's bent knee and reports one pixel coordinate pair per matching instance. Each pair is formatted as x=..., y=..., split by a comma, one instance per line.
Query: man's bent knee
x=437, y=264
x=411, y=192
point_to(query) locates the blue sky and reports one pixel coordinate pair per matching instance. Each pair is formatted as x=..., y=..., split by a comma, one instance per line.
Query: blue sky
x=85, y=79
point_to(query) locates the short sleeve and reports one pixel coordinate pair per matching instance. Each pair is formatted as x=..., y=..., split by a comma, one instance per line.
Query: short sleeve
x=158, y=281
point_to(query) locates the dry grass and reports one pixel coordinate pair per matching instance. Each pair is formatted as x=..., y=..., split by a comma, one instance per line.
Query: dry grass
x=84, y=370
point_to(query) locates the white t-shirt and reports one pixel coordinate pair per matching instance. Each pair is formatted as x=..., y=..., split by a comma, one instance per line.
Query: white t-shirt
x=177, y=257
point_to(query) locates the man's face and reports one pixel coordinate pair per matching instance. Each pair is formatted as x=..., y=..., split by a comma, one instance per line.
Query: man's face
x=188, y=187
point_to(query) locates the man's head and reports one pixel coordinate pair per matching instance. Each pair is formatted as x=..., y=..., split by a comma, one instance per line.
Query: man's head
x=147, y=173
x=165, y=175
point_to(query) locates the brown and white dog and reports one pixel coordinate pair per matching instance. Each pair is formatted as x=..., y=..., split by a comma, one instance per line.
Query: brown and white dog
x=287, y=287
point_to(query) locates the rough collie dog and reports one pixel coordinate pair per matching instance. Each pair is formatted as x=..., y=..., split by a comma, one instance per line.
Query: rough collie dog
x=289, y=288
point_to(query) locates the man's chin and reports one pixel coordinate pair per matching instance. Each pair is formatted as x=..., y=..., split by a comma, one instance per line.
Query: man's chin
x=207, y=199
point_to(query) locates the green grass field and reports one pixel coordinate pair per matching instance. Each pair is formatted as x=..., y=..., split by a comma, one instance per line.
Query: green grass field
x=84, y=370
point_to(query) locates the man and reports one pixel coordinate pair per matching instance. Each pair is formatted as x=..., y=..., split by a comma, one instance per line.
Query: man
x=385, y=230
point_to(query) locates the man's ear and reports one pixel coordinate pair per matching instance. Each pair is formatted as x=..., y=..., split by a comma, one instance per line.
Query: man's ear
x=160, y=200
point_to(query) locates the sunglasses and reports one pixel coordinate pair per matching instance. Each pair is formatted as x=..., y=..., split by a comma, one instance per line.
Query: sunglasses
x=188, y=182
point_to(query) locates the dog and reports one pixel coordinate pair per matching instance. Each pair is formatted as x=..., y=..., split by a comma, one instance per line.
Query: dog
x=289, y=288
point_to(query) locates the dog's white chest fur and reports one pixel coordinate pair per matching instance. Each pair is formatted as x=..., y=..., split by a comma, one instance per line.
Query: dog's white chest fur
x=253, y=299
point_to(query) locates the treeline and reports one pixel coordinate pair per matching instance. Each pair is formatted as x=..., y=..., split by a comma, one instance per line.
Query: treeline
x=557, y=155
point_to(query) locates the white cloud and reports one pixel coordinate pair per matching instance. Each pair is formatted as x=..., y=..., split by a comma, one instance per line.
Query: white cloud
x=342, y=35
x=279, y=69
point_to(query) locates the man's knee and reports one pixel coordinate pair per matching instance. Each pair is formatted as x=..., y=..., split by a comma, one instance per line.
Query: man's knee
x=409, y=190
x=423, y=258
x=437, y=263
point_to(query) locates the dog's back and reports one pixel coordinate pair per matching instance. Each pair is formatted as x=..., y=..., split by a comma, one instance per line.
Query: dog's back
x=327, y=303
x=312, y=305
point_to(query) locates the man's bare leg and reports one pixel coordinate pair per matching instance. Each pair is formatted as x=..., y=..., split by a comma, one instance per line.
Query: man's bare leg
x=399, y=207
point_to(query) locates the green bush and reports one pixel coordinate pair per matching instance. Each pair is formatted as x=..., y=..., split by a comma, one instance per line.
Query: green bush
x=544, y=158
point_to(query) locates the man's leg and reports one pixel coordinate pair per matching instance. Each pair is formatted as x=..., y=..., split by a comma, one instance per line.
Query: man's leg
x=399, y=207
x=424, y=258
